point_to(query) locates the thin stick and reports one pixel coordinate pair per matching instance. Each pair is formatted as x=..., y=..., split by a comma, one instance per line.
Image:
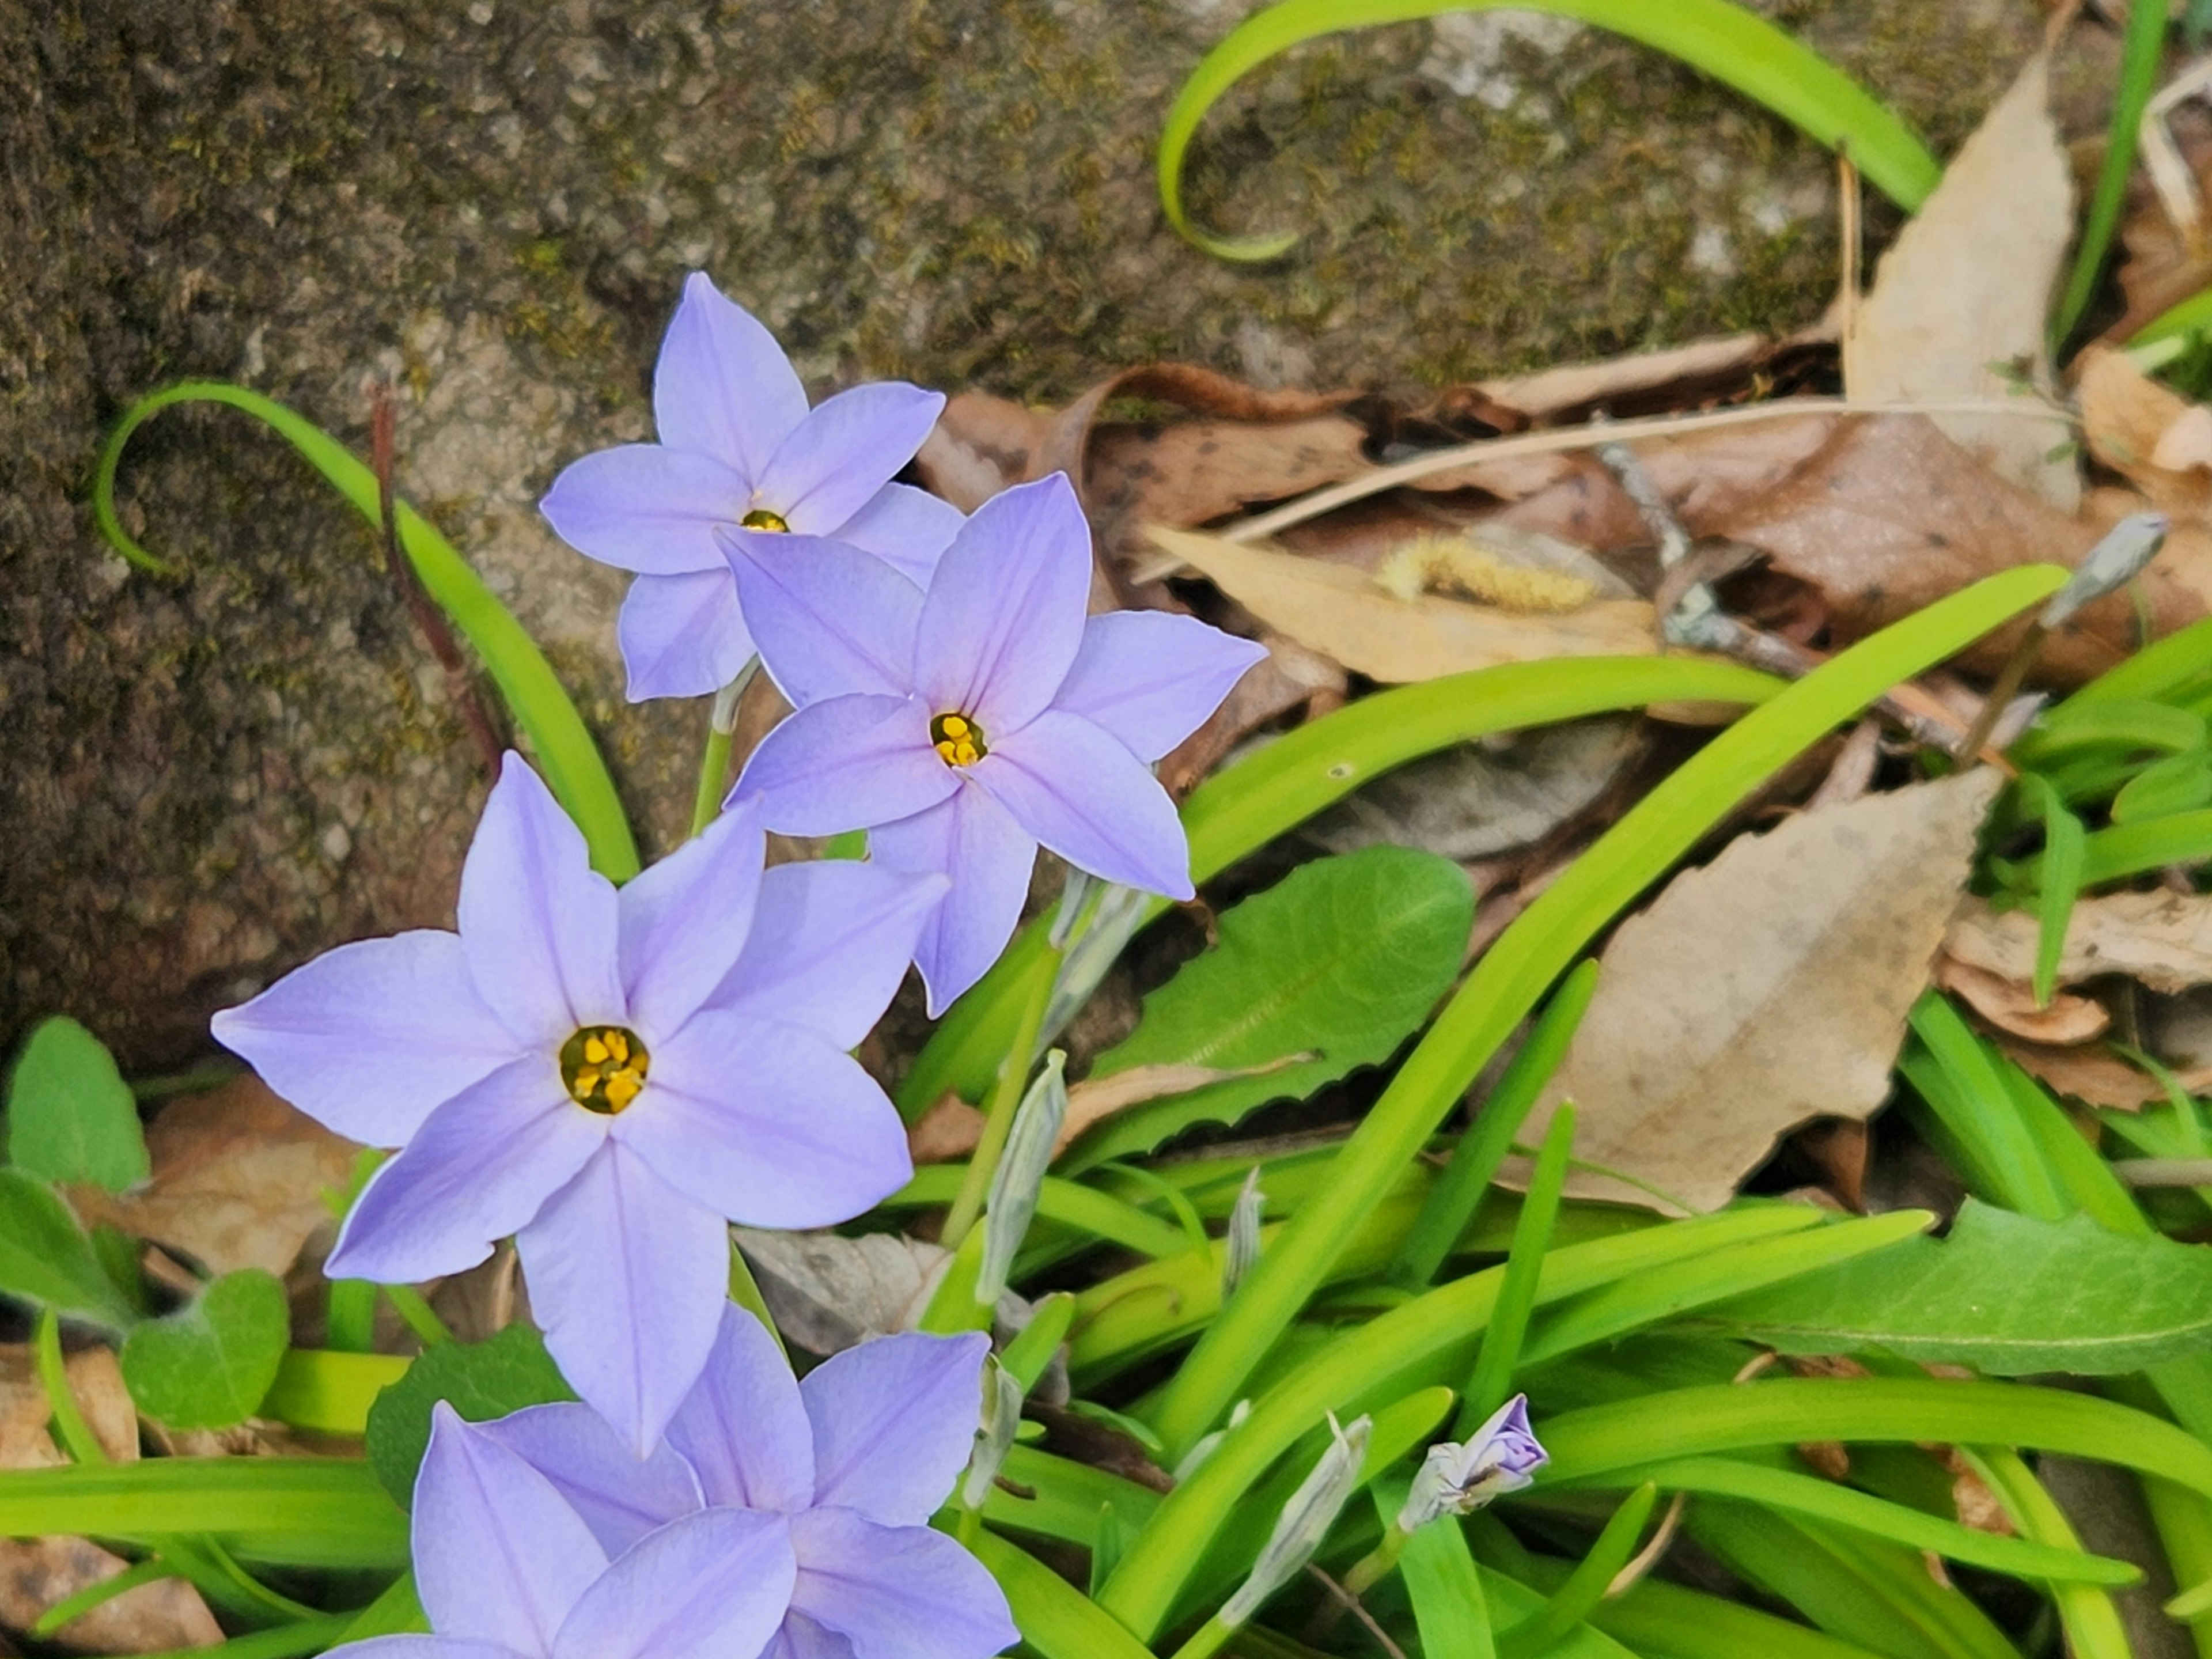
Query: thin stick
x=1648, y=1558
x=1352, y=1605
x=1847, y=291
x=429, y=620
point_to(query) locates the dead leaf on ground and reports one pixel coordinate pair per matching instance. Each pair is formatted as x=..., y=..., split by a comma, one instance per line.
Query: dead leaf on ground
x=1673, y=377
x=2164, y=264
x=239, y=1178
x=952, y=1127
x=1960, y=302
x=1289, y=677
x=1767, y=988
x=2010, y=1005
x=1346, y=616
x=829, y=1292
x=2097, y=1077
x=2153, y=436
x=2161, y=939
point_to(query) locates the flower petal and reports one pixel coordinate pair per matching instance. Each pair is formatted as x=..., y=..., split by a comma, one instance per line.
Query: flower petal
x=829, y=619
x=894, y=1422
x=682, y=636
x=742, y=1428
x=723, y=386
x=628, y=1277
x=597, y=1475
x=802, y=1638
x=897, y=1592
x=537, y=922
x=1149, y=678
x=1004, y=618
x=711, y=1586
x=684, y=920
x=428, y=1647
x=646, y=508
x=846, y=763
x=905, y=527
x=1091, y=801
x=829, y=944
x=768, y=1125
x=498, y=1556
x=850, y=447
x=481, y=1166
x=367, y=1038
x=976, y=841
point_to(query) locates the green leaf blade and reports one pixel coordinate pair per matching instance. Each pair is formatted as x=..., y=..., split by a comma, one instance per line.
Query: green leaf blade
x=70, y=1116
x=478, y=1380
x=211, y=1364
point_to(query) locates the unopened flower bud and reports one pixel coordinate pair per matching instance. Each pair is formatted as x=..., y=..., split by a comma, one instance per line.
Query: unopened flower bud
x=1459, y=1477
x=994, y=1437
x=1244, y=1234
x=2113, y=562
x=1020, y=1176
x=1306, y=1519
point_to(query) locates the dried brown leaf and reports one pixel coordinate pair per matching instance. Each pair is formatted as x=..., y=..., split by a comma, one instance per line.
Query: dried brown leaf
x=2010, y=1005
x=2097, y=1077
x=952, y=1127
x=2155, y=437
x=239, y=1178
x=1960, y=302
x=2162, y=939
x=1766, y=989
x=829, y=1292
x=1344, y=615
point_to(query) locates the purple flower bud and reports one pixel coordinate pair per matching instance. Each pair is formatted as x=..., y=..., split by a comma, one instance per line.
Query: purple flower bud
x=1459, y=1477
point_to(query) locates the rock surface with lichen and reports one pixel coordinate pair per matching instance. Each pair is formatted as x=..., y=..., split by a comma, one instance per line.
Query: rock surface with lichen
x=492, y=203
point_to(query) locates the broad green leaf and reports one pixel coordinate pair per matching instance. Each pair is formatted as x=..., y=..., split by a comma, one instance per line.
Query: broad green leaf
x=1449, y=1607
x=208, y=1364
x=478, y=1380
x=1340, y=960
x=46, y=1261
x=2005, y=1293
x=70, y=1116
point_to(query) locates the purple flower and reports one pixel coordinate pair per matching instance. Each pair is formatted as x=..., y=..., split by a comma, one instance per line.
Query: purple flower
x=738, y=446
x=964, y=726
x=850, y=1463
x=507, y=1570
x=607, y=1075
x=1459, y=1477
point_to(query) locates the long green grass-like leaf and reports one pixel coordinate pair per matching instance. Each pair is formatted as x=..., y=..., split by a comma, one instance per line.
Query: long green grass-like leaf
x=1732, y=44
x=1512, y=976
x=1663, y=1620
x=2140, y=55
x=1577, y=1598
x=2092, y=1622
x=322, y=1512
x=558, y=739
x=1245, y=807
x=1056, y=1622
x=1085, y=1209
x=1499, y=1357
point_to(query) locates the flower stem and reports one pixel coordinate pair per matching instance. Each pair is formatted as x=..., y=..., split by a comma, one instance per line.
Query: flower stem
x=714, y=762
x=1372, y=1568
x=999, y=1116
x=1206, y=1642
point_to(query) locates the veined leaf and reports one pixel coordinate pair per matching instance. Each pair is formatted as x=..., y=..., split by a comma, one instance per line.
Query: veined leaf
x=478, y=1380
x=208, y=1364
x=46, y=1261
x=70, y=1116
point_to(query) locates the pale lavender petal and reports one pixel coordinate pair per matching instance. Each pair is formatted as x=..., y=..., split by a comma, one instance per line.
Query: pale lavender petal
x=597, y=1473
x=682, y=636
x=897, y=1592
x=802, y=1638
x=481, y=1166
x=647, y=508
x=1091, y=801
x=426, y=1647
x=768, y=1125
x=742, y=1428
x=1149, y=678
x=723, y=386
x=850, y=447
x=711, y=1586
x=829, y=619
x=905, y=527
x=684, y=920
x=1004, y=618
x=846, y=763
x=988, y=856
x=829, y=944
x=499, y=1557
x=537, y=922
x=628, y=1277
x=894, y=1422
x=367, y=1038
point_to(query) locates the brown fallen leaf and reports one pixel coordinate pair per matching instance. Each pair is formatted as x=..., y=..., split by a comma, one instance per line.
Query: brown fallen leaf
x=1767, y=988
x=2010, y=1005
x=2153, y=436
x=829, y=1292
x=239, y=1178
x=1842, y=1148
x=1289, y=677
x=1960, y=302
x=1346, y=616
x=2161, y=939
x=952, y=1127
x=1673, y=377
x=2163, y=263
x=2097, y=1077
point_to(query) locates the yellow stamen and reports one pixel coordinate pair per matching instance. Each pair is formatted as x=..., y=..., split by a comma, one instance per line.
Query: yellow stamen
x=604, y=1068
x=761, y=518
x=957, y=739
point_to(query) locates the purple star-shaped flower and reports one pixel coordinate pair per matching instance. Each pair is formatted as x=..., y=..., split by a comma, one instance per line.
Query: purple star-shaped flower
x=962, y=727
x=607, y=1075
x=851, y=1462
x=506, y=1568
x=738, y=446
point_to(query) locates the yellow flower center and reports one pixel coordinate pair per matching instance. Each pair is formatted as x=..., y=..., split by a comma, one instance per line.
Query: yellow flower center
x=604, y=1066
x=761, y=518
x=958, y=740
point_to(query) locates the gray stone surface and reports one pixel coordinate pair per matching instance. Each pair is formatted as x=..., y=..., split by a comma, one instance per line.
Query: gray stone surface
x=494, y=201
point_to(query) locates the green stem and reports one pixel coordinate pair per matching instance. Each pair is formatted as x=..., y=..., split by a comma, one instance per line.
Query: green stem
x=1372, y=1568
x=1206, y=1642
x=2140, y=53
x=418, y=1315
x=715, y=762
x=69, y=1427
x=998, y=1117
x=1516, y=1296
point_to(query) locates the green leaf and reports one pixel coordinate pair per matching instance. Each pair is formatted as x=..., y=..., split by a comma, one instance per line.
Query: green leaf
x=479, y=1380
x=46, y=1261
x=70, y=1116
x=1339, y=961
x=2005, y=1293
x=208, y=1364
